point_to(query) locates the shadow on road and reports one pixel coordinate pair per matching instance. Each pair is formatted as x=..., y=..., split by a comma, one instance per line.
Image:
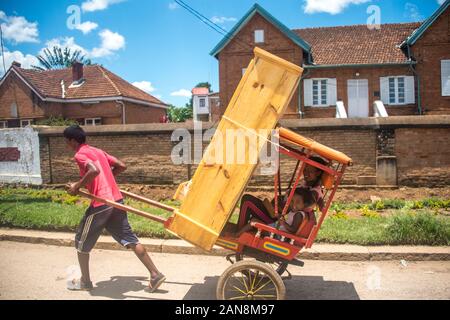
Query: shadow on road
x=118, y=287
x=298, y=288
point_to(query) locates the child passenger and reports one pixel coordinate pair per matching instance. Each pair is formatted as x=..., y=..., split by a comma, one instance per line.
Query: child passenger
x=303, y=200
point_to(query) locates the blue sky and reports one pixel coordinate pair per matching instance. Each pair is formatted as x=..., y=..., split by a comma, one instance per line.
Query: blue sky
x=160, y=46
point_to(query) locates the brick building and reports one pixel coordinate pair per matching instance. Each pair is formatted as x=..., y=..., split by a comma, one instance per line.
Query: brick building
x=92, y=95
x=405, y=67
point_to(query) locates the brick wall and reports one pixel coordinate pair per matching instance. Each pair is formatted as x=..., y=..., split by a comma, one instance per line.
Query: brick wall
x=423, y=156
x=238, y=53
x=429, y=50
x=372, y=74
x=147, y=149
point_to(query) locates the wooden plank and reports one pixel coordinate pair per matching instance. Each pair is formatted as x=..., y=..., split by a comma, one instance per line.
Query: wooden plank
x=260, y=100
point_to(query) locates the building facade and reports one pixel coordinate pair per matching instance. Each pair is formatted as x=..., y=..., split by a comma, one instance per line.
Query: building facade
x=91, y=95
x=349, y=71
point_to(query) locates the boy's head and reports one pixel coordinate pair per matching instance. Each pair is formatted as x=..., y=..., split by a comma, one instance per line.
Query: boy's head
x=75, y=136
x=312, y=174
x=303, y=198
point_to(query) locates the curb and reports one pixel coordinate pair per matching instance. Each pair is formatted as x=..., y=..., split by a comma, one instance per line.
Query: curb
x=324, y=252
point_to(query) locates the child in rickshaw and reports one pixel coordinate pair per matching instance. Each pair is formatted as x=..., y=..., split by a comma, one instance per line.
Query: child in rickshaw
x=303, y=203
x=253, y=207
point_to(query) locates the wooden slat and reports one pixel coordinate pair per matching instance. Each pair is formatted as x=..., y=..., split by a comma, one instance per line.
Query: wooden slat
x=258, y=103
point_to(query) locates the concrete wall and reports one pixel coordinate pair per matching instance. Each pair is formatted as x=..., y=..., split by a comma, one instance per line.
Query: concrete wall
x=20, y=156
x=417, y=144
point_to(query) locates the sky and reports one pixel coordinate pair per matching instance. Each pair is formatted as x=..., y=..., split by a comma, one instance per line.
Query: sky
x=159, y=46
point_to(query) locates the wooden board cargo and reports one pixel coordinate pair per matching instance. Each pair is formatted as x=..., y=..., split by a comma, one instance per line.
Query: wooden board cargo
x=259, y=101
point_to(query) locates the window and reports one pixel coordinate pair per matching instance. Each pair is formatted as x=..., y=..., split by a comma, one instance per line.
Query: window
x=445, y=77
x=259, y=36
x=202, y=102
x=320, y=92
x=397, y=90
x=3, y=124
x=25, y=123
x=93, y=122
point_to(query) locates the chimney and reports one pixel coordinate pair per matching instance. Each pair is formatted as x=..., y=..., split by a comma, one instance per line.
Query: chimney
x=77, y=72
x=16, y=64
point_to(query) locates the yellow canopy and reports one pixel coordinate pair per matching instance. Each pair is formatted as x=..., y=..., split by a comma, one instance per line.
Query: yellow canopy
x=320, y=149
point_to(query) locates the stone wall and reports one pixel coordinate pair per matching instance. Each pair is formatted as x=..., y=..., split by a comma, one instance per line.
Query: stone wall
x=418, y=144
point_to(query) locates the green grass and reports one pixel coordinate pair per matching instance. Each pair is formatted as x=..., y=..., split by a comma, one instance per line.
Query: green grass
x=412, y=223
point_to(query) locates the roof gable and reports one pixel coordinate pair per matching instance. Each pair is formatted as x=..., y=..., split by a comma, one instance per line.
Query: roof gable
x=417, y=34
x=264, y=13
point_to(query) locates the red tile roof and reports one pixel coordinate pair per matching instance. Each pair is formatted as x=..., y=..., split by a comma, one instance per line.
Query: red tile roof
x=357, y=44
x=99, y=83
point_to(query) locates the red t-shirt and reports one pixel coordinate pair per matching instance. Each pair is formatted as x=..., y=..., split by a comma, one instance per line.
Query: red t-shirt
x=104, y=185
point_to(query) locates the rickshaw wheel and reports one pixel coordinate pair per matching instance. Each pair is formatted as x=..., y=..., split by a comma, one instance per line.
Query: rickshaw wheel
x=279, y=267
x=250, y=280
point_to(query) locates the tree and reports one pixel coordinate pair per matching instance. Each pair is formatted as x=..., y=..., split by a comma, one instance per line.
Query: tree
x=176, y=114
x=59, y=58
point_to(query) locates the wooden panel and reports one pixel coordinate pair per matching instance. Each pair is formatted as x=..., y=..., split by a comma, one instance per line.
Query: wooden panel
x=258, y=103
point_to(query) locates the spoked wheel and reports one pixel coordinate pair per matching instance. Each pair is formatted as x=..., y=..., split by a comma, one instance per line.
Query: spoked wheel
x=250, y=280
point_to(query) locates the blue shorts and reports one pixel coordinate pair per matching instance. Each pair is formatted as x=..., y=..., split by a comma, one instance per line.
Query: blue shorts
x=95, y=220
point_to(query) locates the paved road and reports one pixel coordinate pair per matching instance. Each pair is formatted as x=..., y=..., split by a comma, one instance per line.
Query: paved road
x=32, y=271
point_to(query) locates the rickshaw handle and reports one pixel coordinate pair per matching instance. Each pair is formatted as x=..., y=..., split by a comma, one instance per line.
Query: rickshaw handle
x=123, y=207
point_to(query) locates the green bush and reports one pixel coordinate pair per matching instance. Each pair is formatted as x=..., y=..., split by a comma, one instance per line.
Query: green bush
x=415, y=229
x=56, y=122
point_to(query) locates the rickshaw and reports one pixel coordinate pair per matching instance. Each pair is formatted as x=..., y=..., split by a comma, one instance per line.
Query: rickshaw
x=259, y=257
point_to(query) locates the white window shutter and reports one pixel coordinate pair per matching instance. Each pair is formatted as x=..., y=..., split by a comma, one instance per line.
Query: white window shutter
x=308, y=92
x=332, y=92
x=384, y=89
x=445, y=76
x=410, y=91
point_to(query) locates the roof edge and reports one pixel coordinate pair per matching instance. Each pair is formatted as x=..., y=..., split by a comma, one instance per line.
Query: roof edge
x=256, y=8
x=417, y=34
x=361, y=65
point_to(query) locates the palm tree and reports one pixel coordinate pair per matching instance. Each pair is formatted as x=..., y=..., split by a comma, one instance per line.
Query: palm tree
x=58, y=58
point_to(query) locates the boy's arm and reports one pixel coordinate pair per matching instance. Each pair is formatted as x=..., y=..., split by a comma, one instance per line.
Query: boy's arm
x=118, y=167
x=91, y=173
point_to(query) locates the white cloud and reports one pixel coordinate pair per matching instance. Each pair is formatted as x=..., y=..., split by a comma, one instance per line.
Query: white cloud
x=158, y=96
x=173, y=6
x=412, y=12
x=182, y=93
x=440, y=2
x=26, y=60
x=18, y=29
x=111, y=41
x=145, y=86
x=329, y=6
x=221, y=20
x=86, y=27
x=97, y=5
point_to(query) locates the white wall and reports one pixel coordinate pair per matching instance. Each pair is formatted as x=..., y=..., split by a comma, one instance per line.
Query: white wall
x=27, y=169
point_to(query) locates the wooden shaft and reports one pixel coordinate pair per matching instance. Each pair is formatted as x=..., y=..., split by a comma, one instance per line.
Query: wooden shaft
x=123, y=207
x=148, y=201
